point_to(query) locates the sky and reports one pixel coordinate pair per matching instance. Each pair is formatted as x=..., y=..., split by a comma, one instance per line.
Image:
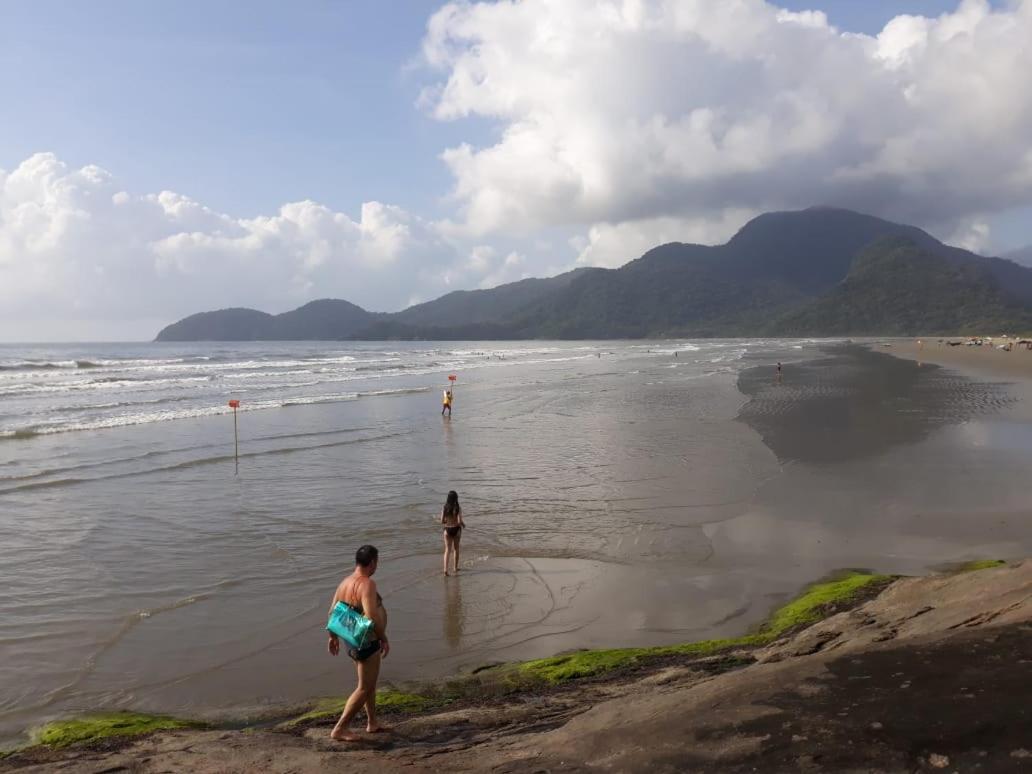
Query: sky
x=159, y=159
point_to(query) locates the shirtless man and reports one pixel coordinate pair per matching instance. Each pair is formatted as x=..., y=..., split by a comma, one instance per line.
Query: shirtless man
x=358, y=591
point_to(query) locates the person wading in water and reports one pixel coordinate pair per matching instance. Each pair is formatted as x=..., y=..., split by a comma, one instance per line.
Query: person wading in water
x=451, y=518
x=358, y=591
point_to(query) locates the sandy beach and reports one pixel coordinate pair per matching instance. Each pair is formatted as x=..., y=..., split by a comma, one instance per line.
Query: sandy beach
x=980, y=362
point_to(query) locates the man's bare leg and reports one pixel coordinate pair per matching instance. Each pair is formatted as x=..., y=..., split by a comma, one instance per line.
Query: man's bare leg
x=340, y=731
x=357, y=700
x=372, y=668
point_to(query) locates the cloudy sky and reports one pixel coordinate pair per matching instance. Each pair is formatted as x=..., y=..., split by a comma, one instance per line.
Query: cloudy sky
x=162, y=159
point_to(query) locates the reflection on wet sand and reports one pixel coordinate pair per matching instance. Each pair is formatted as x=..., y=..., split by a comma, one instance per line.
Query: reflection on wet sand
x=854, y=403
x=454, y=617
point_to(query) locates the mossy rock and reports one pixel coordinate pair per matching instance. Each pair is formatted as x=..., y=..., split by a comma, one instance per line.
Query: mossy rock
x=816, y=601
x=108, y=725
x=809, y=607
x=386, y=701
x=981, y=564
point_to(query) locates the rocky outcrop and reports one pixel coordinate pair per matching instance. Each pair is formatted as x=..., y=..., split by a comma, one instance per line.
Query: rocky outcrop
x=932, y=674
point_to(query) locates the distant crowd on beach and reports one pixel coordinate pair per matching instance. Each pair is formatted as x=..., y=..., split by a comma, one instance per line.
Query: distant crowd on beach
x=1004, y=343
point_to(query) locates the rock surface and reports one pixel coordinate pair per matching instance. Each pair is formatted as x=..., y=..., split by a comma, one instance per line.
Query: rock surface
x=934, y=674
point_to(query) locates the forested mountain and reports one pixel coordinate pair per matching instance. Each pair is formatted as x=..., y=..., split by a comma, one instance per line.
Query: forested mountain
x=1022, y=255
x=895, y=287
x=466, y=307
x=820, y=271
x=326, y=319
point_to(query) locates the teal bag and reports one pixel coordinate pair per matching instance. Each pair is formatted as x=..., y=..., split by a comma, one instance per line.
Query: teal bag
x=350, y=625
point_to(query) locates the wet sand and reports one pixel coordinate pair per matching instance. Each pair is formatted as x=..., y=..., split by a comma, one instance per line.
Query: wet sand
x=885, y=464
x=854, y=403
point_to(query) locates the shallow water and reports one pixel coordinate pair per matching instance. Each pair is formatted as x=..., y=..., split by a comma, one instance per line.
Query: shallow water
x=613, y=492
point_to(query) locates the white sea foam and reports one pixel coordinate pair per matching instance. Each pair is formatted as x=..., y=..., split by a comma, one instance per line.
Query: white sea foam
x=78, y=389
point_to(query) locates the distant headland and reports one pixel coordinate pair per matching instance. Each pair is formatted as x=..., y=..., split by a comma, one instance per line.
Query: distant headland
x=815, y=272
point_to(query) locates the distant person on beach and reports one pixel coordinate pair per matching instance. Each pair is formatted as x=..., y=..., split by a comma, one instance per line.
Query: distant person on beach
x=358, y=591
x=779, y=372
x=446, y=402
x=451, y=519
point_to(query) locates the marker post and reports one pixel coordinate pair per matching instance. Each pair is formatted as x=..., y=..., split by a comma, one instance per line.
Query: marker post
x=235, y=404
x=451, y=389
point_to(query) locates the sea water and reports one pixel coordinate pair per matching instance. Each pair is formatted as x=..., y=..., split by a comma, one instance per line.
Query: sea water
x=614, y=493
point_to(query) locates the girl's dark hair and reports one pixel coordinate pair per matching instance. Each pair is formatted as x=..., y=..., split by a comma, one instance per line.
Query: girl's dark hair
x=451, y=505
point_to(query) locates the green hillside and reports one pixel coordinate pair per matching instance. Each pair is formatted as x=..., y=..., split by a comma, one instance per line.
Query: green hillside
x=814, y=272
x=895, y=287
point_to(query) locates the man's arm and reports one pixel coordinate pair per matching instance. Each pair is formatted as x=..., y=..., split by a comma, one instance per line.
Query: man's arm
x=371, y=607
x=333, y=645
x=333, y=604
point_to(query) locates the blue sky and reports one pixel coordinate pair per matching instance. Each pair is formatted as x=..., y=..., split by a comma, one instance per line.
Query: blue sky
x=243, y=108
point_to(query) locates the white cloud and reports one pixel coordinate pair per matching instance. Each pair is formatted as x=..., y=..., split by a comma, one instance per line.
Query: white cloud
x=617, y=112
x=75, y=246
x=972, y=234
x=614, y=244
x=511, y=268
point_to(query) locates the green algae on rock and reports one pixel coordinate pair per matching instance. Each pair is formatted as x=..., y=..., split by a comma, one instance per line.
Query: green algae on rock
x=812, y=605
x=95, y=727
x=981, y=564
x=816, y=601
x=388, y=701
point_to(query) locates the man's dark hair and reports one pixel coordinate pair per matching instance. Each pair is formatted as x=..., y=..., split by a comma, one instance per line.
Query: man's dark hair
x=366, y=555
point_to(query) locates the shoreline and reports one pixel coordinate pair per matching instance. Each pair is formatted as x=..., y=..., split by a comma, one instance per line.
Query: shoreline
x=840, y=590
x=527, y=713
x=975, y=361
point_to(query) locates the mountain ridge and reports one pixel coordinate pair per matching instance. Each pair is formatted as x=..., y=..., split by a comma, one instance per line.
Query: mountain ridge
x=782, y=273
x=1022, y=256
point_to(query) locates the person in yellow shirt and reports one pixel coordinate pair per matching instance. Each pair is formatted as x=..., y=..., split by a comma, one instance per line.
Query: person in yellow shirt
x=446, y=402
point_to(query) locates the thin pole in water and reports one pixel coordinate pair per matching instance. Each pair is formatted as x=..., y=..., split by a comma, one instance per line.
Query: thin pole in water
x=235, y=404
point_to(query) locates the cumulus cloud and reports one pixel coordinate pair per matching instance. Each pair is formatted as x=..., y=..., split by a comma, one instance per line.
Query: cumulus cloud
x=75, y=246
x=648, y=111
x=614, y=244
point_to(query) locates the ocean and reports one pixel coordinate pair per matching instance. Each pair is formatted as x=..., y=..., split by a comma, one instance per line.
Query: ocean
x=616, y=493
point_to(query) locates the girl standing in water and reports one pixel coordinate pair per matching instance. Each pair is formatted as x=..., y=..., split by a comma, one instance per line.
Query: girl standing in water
x=451, y=518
